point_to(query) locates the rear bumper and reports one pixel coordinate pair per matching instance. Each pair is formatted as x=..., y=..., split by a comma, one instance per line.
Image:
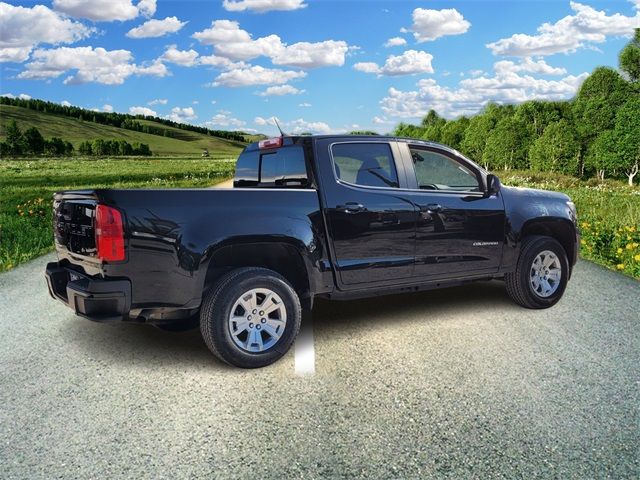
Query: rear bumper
x=96, y=299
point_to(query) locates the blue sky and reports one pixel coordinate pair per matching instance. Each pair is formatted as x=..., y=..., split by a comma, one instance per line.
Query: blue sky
x=321, y=66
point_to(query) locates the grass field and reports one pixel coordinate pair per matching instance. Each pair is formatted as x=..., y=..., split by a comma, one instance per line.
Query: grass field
x=26, y=187
x=609, y=212
x=76, y=131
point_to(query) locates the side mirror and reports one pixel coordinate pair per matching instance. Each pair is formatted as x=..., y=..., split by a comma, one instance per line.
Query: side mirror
x=493, y=184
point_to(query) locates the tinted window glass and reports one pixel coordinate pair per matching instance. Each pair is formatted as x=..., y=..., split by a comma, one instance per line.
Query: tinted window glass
x=435, y=171
x=367, y=164
x=247, y=169
x=283, y=167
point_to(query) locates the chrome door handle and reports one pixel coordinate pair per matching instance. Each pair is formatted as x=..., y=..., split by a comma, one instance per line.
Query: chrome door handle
x=351, y=207
x=433, y=208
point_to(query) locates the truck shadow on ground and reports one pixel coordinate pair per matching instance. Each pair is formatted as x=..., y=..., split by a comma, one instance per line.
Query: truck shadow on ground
x=459, y=302
x=145, y=344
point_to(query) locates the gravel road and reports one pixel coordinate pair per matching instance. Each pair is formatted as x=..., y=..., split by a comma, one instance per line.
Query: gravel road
x=459, y=383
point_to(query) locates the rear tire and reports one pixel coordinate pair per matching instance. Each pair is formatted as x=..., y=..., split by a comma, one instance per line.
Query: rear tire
x=250, y=318
x=541, y=273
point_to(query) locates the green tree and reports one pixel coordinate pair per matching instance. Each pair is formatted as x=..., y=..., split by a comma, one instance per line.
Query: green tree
x=432, y=125
x=595, y=106
x=540, y=113
x=630, y=58
x=432, y=118
x=598, y=99
x=85, y=148
x=627, y=136
x=33, y=141
x=14, y=139
x=98, y=147
x=602, y=156
x=508, y=144
x=68, y=148
x=556, y=150
x=452, y=133
x=408, y=130
x=54, y=146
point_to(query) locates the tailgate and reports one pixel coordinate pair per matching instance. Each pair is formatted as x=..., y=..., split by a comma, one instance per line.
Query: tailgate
x=73, y=222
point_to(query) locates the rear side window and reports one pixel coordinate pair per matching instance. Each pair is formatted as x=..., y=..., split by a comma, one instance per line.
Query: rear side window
x=366, y=164
x=282, y=167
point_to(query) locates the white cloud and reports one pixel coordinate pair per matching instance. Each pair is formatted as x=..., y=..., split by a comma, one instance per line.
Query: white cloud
x=147, y=7
x=262, y=6
x=220, y=62
x=156, y=28
x=182, y=115
x=367, y=67
x=22, y=29
x=22, y=96
x=65, y=103
x=280, y=90
x=382, y=121
x=395, y=42
x=224, y=119
x=311, y=55
x=155, y=69
x=90, y=65
x=256, y=75
x=158, y=101
x=586, y=27
x=300, y=126
x=262, y=121
x=305, y=105
x=409, y=63
x=186, y=58
x=107, y=108
x=474, y=93
x=528, y=65
x=234, y=43
x=105, y=10
x=432, y=24
x=142, y=111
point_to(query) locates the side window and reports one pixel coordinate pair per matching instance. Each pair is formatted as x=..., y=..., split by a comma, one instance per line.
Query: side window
x=367, y=164
x=435, y=171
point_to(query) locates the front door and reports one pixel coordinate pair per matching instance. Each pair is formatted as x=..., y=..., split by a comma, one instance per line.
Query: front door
x=371, y=225
x=460, y=229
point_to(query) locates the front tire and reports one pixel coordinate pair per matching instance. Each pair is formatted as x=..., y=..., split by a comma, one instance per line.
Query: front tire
x=541, y=273
x=250, y=318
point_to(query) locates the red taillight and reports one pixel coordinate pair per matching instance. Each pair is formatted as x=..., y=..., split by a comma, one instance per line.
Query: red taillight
x=270, y=143
x=109, y=234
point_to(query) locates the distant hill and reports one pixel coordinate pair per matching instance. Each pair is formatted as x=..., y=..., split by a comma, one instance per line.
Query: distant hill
x=174, y=139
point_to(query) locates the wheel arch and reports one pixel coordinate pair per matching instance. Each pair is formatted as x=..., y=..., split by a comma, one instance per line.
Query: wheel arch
x=560, y=229
x=281, y=256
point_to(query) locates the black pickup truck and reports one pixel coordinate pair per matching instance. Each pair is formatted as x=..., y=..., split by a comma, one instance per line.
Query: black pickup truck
x=337, y=217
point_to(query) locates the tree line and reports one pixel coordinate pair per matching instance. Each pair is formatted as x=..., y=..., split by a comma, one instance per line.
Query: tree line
x=597, y=133
x=31, y=142
x=119, y=120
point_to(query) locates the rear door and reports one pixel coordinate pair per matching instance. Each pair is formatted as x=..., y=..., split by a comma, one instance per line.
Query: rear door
x=371, y=224
x=460, y=229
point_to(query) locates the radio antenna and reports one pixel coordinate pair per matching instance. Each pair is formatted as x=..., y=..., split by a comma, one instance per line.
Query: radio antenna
x=275, y=120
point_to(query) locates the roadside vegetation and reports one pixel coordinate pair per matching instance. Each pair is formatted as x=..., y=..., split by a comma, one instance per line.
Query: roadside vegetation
x=26, y=187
